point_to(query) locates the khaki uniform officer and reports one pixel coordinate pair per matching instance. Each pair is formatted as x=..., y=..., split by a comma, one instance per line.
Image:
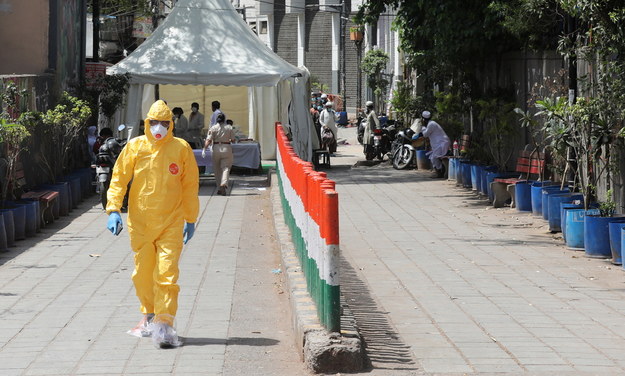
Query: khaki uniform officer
x=221, y=136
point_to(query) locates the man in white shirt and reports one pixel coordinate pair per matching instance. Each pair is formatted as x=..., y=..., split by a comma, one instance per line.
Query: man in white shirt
x=438, y=141
x=216, y=111
x=327, y=119
x=196, y=120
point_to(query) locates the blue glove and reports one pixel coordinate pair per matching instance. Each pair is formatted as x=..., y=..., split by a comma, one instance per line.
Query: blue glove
x=187, y=234
x=114, y=223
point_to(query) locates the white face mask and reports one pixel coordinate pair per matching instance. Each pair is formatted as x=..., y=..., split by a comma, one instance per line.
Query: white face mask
x=194, y=109
x=158, y=131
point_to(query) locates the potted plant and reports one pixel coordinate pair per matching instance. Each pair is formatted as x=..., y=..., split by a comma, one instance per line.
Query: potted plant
x=597, y=228
x=64, y=124
x=356, y=32
x=61, y=127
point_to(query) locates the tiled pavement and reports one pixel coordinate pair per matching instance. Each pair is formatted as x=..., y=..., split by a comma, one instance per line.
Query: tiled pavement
x=469, y=289
x=439, y=282
x=66, y=299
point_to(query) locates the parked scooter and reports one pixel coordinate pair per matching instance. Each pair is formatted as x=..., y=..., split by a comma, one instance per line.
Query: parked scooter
x=105, y=160
x=404, y=149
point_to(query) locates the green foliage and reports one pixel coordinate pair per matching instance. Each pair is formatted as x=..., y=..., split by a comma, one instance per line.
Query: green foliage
x=12, y=136
x=405, y=103
x=444, y=39
x=497, y=115
x=356, y=29
x=63, y=125
x=450, y=108
x=373, y=65
x=534, y=23
x=121, y=7
x=13, y=100
x=113, y=89
x=607, y=208
x=317, y=85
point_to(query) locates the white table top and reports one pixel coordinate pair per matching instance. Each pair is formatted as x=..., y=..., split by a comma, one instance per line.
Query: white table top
x=245, y=154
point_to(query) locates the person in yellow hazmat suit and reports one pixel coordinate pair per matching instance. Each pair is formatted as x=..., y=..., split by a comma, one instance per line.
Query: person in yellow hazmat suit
x=163, y=206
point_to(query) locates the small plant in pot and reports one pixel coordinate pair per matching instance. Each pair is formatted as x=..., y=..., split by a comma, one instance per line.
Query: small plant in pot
x=12, y=137
x=63, y=125
x=597, y=225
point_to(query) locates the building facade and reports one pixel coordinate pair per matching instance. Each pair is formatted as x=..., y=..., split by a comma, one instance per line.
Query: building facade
x=43, y=40
x=315, y=33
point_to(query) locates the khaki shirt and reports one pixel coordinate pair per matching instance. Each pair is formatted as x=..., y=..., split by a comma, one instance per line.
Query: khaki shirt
x=221, y=133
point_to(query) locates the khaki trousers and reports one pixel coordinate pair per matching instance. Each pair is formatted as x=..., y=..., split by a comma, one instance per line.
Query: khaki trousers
x=222, y=162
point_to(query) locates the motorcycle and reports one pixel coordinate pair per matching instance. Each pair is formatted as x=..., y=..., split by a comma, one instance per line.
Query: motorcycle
x=404, y=149
x=105, y=161
x=379, y=145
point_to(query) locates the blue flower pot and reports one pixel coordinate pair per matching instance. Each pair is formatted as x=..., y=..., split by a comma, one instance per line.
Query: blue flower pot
x=537, y=196
x=597, y=234
x=4, y=246
x=546, y=191
x=9, y=226
x=451, y=174
x=575, y=228
x=466, y=175
x=523, y=195
x=19, y=219
x=616, y=230
x=555, y=208
x=475, y=177
x=31, y=216
x=74, y=190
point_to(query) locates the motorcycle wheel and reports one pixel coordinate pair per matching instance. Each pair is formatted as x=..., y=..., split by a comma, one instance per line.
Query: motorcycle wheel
x=104, y=187
x=360, y=138
x=402, y=158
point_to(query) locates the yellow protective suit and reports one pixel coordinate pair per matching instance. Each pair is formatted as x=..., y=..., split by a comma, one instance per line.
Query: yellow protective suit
x=163, y=195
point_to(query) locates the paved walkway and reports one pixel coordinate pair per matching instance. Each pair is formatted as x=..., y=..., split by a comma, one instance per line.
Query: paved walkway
x=439, y=283
x=66, y=299
x=442, y=283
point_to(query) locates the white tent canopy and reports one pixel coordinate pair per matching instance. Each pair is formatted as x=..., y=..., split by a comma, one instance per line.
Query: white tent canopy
x=206, y=42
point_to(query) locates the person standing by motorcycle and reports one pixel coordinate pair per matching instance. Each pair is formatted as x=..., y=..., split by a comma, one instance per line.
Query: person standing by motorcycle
x=372, y=122
x=163, y=207
x=438, y=141
x=105, y=134
x=327, y=119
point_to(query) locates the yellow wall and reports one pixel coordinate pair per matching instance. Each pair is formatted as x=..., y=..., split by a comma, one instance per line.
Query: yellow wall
x=24, y=36
x=233, y=99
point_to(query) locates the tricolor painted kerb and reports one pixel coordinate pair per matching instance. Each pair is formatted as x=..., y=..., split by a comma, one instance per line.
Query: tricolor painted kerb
x=310, y=206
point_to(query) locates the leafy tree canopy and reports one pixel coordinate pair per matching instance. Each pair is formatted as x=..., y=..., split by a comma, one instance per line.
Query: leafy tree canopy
x=446, y=38
x=125, y=7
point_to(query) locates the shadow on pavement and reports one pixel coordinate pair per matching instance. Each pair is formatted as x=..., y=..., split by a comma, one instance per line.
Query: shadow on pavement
x=91, y=202
x=232, y=341
x=384, y=348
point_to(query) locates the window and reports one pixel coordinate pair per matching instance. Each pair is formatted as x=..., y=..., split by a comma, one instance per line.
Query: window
x=263, y=27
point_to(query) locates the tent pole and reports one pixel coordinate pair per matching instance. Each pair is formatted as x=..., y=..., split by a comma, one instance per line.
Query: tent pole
x=157, y=94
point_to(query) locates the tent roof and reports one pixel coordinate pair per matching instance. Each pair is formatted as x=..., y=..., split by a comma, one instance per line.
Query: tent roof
x=204, y=42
